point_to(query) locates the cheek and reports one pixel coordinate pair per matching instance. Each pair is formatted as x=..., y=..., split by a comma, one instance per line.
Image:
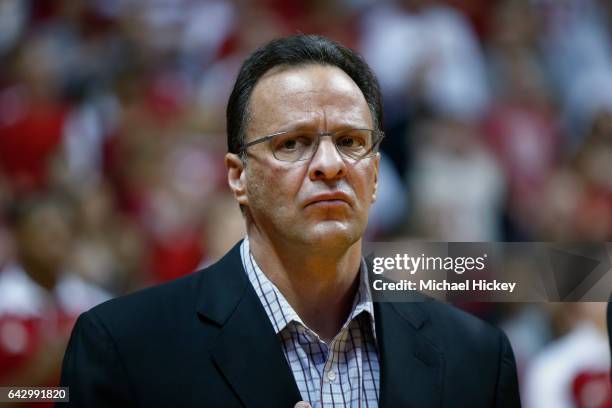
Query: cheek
x=272, y=189
x=364, y=183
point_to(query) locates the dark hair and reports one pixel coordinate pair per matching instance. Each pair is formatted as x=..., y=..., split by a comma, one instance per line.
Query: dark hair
x=294, y=51
x=20, y=211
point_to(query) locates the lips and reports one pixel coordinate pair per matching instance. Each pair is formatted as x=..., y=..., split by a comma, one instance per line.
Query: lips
x=334, y=198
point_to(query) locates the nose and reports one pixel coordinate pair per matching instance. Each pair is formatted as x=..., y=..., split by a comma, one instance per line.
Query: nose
x=327, y=164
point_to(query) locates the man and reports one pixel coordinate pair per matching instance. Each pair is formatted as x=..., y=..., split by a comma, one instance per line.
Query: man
x=287, y=314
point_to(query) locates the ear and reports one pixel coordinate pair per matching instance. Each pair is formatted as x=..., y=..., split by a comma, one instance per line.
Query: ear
x=376, y=167
x=236, y=177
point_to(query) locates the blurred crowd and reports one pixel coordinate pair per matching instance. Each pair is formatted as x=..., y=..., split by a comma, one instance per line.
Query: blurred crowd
x=498, y=122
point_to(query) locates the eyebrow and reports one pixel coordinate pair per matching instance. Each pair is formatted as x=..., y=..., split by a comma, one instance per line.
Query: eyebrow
x=311, y=126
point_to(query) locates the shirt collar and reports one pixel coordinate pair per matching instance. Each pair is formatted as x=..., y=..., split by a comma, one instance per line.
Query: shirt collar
x=278, y=309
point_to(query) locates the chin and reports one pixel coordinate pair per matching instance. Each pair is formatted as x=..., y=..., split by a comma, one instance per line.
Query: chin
x=333, y=234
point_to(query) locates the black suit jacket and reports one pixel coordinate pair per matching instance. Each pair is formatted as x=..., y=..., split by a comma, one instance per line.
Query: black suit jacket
x=609, y=319
x=205, y=340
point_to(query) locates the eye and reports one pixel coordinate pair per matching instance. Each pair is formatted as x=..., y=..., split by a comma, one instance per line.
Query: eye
x=292, y=142
x=347, y=141
x=351, y=141
x=289, y=144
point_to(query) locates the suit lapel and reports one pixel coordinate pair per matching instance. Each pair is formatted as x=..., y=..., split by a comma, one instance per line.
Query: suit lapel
x=246, y=351
x=248, y=354
x=411, y=366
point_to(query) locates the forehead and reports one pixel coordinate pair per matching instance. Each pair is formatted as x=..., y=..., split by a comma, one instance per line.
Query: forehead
x=315, y=96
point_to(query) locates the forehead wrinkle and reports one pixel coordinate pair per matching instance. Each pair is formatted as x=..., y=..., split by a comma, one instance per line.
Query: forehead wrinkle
x=285, y=96
x=328, y=110
x=333, y=104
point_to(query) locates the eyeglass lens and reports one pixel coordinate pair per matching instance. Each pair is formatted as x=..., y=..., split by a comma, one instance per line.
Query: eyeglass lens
x=299, y=145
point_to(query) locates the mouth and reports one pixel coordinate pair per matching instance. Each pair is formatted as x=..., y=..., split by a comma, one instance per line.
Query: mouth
x=329, y=200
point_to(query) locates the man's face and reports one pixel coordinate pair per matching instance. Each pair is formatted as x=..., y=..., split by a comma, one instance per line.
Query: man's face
x=321, y=201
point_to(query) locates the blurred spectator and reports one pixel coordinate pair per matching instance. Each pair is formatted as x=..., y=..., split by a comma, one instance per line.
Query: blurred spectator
x=576, y=42
x=521, y=127
x=529, y=328
x=426, y=57
x=578, y=200
x=32, y=116
x=430, y=48
x=594, y=164
x=457, y=187
x=108, y=248
x=39, y=301
x=191, y=172
x=573, y=371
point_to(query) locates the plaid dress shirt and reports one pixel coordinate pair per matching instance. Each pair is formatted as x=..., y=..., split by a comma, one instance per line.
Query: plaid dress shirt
x=343, y=373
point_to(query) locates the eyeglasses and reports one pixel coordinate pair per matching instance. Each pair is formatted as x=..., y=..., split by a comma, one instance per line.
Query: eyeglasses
x=297, y=145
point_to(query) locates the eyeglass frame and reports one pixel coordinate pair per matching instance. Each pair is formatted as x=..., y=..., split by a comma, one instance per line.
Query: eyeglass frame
x=379, y=133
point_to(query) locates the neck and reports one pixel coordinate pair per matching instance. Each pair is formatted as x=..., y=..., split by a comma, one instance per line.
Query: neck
x=319, y=284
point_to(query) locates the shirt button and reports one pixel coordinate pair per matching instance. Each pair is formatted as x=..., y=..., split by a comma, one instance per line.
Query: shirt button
x=331, y=375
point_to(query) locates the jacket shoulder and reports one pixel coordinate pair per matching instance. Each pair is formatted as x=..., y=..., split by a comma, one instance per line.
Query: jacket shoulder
x=477, y=355
x=150, y=296
x=455, y=329
x=151, y=305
